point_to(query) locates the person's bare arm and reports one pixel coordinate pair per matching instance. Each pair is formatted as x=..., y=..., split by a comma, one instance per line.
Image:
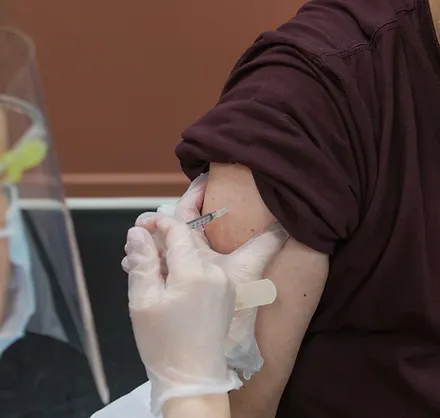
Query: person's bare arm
x=298, y=272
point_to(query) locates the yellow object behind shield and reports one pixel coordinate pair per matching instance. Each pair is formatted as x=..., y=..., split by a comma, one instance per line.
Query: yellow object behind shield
x=28, y=154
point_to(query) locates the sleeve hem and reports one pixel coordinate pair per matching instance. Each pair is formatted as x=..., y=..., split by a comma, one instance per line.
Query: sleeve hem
x=294, y=229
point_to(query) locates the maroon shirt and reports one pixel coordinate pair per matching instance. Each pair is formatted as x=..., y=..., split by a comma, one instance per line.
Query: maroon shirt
x=337, y=113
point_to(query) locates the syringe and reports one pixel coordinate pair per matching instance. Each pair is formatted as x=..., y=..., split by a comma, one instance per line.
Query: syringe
x=205, y=219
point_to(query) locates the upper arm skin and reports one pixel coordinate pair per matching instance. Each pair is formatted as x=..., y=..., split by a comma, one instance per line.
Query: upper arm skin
x=298, y=272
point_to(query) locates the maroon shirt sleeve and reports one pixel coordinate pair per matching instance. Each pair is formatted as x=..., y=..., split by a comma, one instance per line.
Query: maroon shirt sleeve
x=283, y=115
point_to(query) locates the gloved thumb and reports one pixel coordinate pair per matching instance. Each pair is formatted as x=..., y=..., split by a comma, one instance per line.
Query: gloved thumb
x=251, y=259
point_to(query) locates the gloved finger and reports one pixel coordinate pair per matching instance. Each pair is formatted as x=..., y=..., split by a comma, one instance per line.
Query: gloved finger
x=250, y=260
x=136, y=246
x=166, y=209
x=141, y=249
x=190, y=204
x=125, y=264
x=133, y=246
x=142, y=218
x=182, y=255
x=145, y=279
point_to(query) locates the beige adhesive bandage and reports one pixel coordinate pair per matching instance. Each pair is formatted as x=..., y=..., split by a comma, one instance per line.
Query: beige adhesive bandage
x=254, y=294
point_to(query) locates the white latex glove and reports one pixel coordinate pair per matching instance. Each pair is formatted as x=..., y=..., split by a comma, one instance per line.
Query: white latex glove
x=241, y=347
x=181, y=321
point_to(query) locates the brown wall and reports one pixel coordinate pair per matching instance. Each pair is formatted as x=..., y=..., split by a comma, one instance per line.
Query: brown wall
x=122, y=79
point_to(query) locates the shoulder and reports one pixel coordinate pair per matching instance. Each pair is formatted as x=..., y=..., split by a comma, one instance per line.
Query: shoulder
x=322, y=40
x=332, y=27
x=335, y=26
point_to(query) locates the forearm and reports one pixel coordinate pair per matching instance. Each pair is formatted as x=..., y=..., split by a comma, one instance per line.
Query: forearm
x=208, y=406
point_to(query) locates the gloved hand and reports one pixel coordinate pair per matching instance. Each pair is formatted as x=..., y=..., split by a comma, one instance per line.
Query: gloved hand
x=181, y=320
x=241, y=348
